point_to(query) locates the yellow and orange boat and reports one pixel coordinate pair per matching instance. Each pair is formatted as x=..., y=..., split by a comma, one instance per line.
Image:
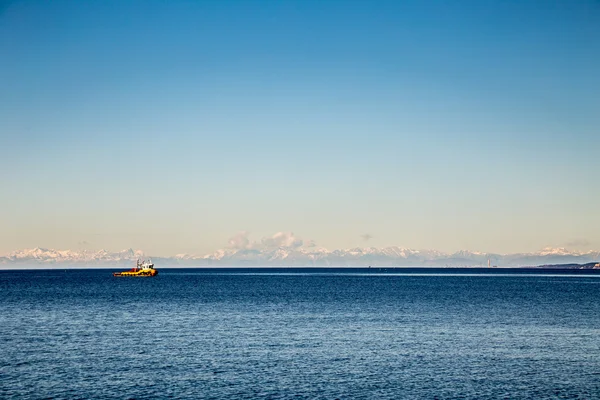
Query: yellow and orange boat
x=142, y=269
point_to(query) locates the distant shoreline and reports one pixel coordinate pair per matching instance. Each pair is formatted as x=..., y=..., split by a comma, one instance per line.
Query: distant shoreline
x=375, y=269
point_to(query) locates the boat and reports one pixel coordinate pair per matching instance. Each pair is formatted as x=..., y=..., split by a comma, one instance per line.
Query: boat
x=142, y=269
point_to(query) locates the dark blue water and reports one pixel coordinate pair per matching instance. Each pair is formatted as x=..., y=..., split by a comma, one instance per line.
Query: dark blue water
x=294, y=333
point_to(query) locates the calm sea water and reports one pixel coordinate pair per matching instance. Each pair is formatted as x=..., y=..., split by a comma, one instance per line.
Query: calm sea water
x=285, y=333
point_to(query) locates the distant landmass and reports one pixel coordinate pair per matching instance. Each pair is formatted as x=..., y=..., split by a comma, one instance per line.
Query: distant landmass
x=591, y=265
x=309, y=256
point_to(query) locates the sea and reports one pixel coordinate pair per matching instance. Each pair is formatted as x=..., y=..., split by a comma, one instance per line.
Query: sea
x=300, y=333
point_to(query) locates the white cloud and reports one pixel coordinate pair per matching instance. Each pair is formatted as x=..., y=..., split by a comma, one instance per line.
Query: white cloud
x=282, y=239
x=310, y=243
x=240, y=241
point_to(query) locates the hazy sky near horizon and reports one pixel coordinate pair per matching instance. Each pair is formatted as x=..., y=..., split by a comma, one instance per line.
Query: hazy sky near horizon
x=171, y=125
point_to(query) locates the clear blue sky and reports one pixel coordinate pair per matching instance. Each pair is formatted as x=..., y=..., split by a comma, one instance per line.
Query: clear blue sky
x=171, y=125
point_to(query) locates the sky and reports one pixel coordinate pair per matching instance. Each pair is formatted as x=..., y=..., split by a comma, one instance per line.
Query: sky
x=170, y=126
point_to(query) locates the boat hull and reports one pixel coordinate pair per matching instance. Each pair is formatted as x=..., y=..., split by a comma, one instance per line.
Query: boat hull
x=137, y=274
